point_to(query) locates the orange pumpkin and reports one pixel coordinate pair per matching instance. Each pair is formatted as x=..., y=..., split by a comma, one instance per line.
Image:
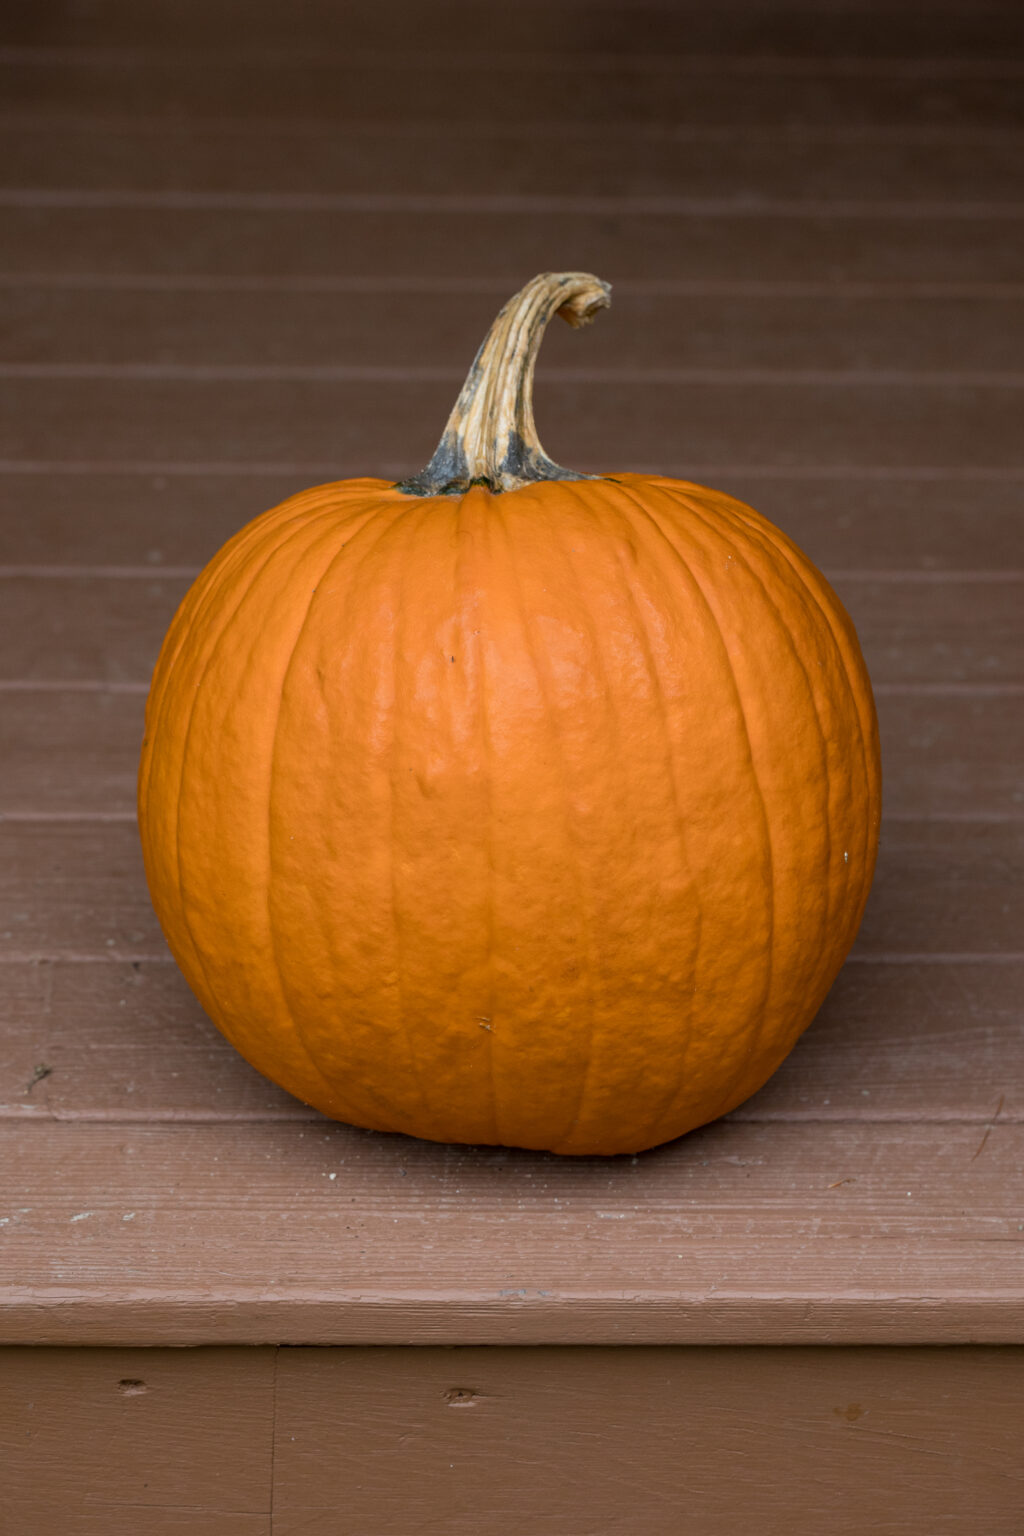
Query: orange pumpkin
x=509, y=804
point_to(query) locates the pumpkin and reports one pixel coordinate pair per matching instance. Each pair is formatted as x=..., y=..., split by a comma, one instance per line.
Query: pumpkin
x=508, y=804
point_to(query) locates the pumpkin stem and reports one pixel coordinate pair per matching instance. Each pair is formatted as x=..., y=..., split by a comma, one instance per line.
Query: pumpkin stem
x=491, y=438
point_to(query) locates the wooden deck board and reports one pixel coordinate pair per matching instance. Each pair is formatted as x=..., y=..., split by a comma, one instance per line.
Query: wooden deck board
x=781, y=160
x=680, y=1444
x=179, y=1233
x=136, y=518
x=116, y=1446
x=394, y=87
x=872, y=33
x=773, y=421
x=78, y=322
x=700, y=240
x=570, y=1440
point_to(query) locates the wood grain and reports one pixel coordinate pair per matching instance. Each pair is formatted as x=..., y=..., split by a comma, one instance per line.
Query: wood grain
x=75, y=888
x=116, y=1442
x=742, y=327
x=122, y=1043
x=921, y=164
x=178, y=515
x=396, y=87
x=70, y=752
x=602, y=425
x=484, y=1441
x=238, y=1234
x=945, y=887
x=648, y=1442
x=880, y=34
x=720, y=240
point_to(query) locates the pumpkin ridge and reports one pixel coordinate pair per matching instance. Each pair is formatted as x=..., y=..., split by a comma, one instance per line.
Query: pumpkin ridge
x=196, y=601
x=426, y=510
x=555, y=733
x=694, y=582
x=226, y=558
x=612, y=714
x=486, y=735
x=805, y=595
x=658, y=694
x=272, y=945
x=681, y=563
x=304, y=527
x=385, y=1119
x=227, y=571
x=227, y=565
x=846, y=644
x=379, y=1116
x=784, y=629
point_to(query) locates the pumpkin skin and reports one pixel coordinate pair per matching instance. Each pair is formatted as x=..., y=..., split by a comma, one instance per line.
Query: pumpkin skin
x=543, y=818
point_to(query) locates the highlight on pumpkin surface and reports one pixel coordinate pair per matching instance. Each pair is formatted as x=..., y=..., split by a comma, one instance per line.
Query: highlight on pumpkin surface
x=512, y=804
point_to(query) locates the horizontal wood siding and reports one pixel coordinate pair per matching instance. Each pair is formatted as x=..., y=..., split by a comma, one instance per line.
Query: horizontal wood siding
x=485, y=1442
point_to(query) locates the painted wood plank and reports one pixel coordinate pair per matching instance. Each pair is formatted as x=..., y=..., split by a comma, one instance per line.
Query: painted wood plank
x=946, y=887
x=76, y=752
x=178, y=515
x=568, y=1442
x=681, y=159
x=396, y=87
x=23, y=1008
x=718, y=240
x=894, y=1042
x=35, y=1517
x=70, y=752
x=105, y=629
x=109, y=629
x=127, y=1043
x=755, y=327
x=113, y=1442
x=122, y=1043
x=877, y=34
x=75, y=888
x=951, y=632
x=599, y=426
x=738, y=1233
x=570, y=1437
